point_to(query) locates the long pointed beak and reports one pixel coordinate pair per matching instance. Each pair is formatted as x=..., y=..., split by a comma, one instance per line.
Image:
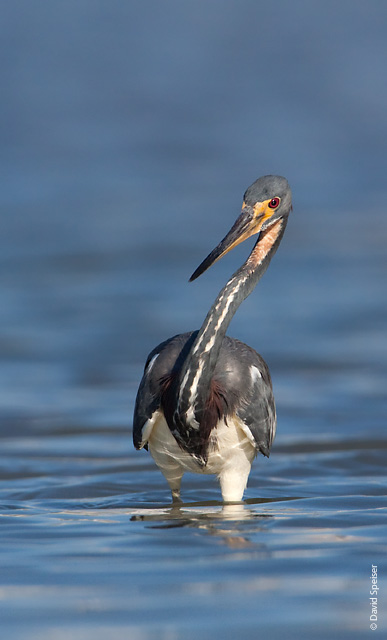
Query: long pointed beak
x=249, y=222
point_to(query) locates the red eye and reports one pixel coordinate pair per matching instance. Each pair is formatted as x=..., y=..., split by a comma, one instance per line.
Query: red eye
x=274, y=202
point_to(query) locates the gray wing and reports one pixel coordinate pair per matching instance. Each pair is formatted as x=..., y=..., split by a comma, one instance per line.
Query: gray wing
x=162, y=362
x=245, y=378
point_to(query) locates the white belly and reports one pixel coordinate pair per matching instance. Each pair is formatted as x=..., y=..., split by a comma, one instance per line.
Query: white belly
x=230, y=455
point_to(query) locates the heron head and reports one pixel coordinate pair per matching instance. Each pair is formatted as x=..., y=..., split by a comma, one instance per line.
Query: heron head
x=267, y=200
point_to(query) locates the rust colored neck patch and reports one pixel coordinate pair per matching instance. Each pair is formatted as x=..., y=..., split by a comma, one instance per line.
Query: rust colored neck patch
x=266, y=241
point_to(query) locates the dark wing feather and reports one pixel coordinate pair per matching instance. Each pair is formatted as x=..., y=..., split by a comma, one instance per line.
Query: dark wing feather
x=245, y=380
x=161, y=363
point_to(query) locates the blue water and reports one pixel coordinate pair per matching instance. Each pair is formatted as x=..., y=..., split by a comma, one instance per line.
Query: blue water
x=129, y=134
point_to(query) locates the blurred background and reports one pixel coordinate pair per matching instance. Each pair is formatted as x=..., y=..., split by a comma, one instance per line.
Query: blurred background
x=129, y=133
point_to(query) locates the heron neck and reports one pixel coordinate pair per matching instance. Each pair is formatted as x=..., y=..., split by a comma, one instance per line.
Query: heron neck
x=198, y=369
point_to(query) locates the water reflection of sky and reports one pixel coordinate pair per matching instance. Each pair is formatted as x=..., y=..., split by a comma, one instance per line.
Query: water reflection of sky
x=129, y=133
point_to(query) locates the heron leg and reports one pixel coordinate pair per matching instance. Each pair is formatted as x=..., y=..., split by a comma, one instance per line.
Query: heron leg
x=233, y=483
x=174, y=485
x=176, y=497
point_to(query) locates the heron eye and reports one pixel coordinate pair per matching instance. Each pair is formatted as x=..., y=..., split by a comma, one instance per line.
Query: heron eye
x=274, y=202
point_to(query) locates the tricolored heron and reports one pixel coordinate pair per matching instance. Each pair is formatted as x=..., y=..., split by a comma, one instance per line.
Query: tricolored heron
x=205, y=403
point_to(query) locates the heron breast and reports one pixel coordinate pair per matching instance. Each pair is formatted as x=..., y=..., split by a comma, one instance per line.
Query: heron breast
x=229, y=446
